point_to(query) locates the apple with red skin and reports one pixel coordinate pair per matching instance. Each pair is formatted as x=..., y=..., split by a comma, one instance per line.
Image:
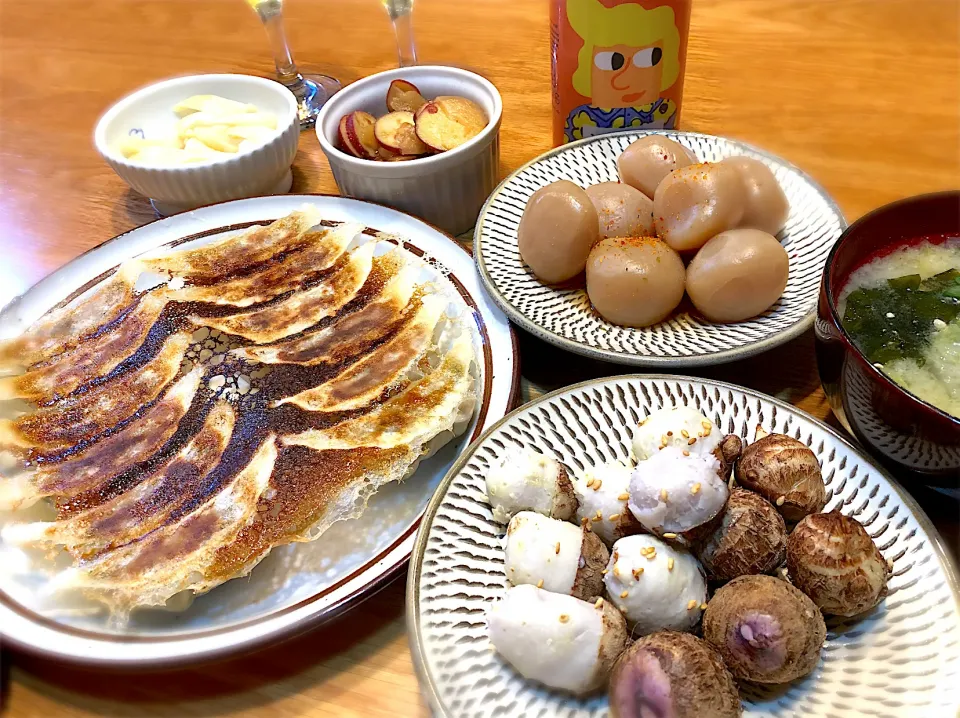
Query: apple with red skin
x=403, y=96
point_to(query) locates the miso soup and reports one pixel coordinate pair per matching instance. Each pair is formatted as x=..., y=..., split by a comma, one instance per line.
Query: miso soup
x=903, y=312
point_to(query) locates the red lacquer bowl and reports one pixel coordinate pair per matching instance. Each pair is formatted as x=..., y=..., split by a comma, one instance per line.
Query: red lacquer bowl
x=904, y=432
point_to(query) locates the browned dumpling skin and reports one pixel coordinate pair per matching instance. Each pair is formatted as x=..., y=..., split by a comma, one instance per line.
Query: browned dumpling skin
x=694, y=203
x=558, y=228
x=737, y=275
x=634, y=281
x=648, y=160
x=622, y=210
x=766, y=207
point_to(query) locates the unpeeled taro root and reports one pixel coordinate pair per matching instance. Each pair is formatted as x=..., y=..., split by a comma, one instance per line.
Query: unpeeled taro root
x=766, y=630
x=750, y=538
x=832, y=559
x=785, y=472
x=727, y=453
x=672, y=674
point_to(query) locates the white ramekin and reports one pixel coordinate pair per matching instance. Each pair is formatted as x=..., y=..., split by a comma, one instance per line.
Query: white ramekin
x=262, y=170
x=445, y=189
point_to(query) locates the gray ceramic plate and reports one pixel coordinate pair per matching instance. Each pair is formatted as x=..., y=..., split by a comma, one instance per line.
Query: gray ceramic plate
x=296, y=586
x=563, y=316
x=901, y=660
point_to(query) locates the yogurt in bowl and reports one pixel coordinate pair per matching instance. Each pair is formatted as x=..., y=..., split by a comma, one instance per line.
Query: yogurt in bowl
x=263, y=167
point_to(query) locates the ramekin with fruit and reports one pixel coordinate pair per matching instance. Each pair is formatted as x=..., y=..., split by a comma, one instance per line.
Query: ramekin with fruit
x=422, y=139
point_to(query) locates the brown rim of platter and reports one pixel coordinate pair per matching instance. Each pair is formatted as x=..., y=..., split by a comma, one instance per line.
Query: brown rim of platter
x=426, y=680
x=347, y=601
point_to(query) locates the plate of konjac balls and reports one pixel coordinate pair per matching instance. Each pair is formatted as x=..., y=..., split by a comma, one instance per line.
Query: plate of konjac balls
x=658, y=248
x=659, y=546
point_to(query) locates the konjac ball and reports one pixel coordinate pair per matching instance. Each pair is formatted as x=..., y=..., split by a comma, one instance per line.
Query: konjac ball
x=737, y=275
x=648, y=160
x=634, y=281
x=692, y=204
x=558, y=228
x=622, y=210
x=766, y=206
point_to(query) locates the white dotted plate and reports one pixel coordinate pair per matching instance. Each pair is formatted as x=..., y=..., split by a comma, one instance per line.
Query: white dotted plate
x=901, y=660
x=564, y=316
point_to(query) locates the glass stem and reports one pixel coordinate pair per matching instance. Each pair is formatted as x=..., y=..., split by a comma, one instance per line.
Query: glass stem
x=271, y=13
x=403, y=28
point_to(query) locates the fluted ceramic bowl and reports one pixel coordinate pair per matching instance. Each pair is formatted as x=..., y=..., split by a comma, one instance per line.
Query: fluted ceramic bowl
x=446, y=189
x=148, y=112
x=903, y=431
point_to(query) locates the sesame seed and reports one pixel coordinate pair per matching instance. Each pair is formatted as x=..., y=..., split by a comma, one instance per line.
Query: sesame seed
x=691, y=604
x=637, y=572
x=686, y=453
x=663, y=495
x=781, y=500
x=706, y=425
x=669, y=564
x=669, y=433
x=604, y=572
x=599, y=515
x=613, y=517
x=564, y=618
x=584, y=521
x=695, y=489
x=599, y=603
x=703, y=607
x=706, y=432
x=590, y=482
x=616, y=570
x=624, y=594
x=669, y=535
x=652, y=555
x=623, y=497
x=700, y=434
x=616, y=556
x=663, y=439
x=692, y=441
x=684, y=433
x=596, y=484
x=540, y=583
x=512, y=568
x=646, y=549
x=557, y=548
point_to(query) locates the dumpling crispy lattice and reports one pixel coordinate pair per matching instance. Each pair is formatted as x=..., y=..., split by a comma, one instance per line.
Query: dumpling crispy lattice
x=280, y=378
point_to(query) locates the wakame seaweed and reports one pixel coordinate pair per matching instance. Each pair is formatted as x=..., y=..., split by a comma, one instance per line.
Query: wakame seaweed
x=896, y=320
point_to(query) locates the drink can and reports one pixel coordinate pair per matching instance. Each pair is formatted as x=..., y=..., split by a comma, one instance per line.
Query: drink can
x=617, y=65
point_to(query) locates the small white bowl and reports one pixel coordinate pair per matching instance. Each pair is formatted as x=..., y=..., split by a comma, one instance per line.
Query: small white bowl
x=445, y=189
x=265, y=169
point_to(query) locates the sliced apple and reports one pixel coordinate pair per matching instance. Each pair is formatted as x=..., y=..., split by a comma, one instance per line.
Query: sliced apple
x=345, y=144
x=385, y=154
x=403, y=96
x=447, y=122
x=360, y=132
x=396, y=131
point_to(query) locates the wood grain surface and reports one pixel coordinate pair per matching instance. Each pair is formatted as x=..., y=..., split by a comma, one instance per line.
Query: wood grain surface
x=862, y=94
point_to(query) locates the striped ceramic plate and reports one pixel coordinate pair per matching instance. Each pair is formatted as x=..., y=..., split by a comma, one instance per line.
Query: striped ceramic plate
x=563, y=316
x=899, y=660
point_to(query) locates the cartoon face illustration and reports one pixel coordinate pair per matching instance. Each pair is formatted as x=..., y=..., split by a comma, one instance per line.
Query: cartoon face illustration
x=625, y=76
x=630, y=55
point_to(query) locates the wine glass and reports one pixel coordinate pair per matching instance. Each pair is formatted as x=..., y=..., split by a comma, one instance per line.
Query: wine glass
x=311, y=91
x=400, y=12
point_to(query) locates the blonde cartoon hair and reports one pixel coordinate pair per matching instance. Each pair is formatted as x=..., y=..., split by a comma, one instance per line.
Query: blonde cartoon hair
x=623, y=25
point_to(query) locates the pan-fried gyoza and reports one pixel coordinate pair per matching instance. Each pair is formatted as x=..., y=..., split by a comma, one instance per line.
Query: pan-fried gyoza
x=261, y=391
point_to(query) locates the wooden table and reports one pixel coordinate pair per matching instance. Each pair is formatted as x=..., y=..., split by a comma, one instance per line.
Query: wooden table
x=863, y=95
